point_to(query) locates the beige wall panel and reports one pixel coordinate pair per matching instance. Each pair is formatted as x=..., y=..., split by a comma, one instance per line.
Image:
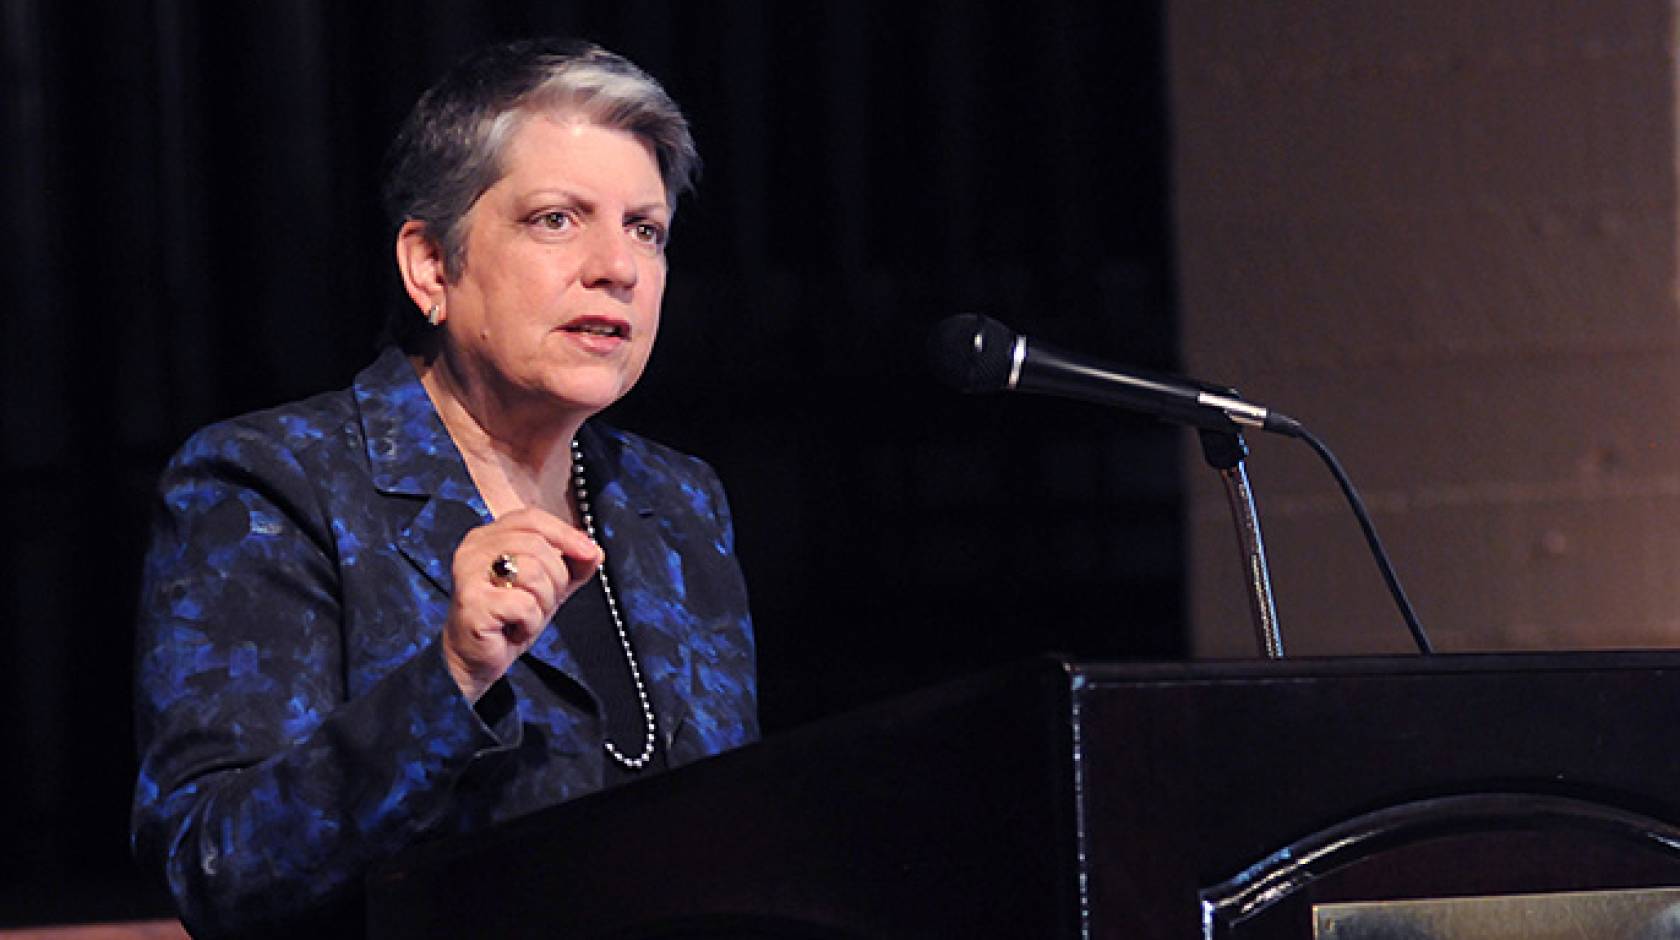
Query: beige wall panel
x=1488, y=424
x=1388, y=288
x=1444, y=236
x=1561, y=573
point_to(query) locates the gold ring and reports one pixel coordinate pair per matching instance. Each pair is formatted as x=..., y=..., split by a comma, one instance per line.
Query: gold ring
x=504, y=570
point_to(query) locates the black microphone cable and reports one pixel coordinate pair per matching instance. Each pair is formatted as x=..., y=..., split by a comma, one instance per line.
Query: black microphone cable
x=1299, y=430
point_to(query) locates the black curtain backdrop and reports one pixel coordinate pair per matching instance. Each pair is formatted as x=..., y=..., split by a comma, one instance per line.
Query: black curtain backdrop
x=192, y=230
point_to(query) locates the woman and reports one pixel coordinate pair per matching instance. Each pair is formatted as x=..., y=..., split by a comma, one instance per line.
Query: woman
x=444, y=597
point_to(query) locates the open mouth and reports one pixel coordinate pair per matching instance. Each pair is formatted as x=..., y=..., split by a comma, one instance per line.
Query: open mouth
x=591, y=326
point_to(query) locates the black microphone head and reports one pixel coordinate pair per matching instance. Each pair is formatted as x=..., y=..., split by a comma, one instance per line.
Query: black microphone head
x=971, y=353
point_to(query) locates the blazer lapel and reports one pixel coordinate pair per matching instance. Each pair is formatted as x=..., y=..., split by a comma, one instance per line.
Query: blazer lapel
x=417, y=467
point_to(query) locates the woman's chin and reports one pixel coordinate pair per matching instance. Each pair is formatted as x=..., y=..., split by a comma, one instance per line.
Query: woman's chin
x=589, y=397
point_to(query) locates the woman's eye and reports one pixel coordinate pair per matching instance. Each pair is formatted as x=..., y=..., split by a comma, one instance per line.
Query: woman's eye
x=648, y=233
x=554, y=220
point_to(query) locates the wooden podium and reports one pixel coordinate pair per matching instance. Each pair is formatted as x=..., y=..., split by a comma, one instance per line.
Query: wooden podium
x=1058, y=799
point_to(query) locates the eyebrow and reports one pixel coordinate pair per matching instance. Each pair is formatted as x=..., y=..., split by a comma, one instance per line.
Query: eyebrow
x=657, y=207
x=650, y=207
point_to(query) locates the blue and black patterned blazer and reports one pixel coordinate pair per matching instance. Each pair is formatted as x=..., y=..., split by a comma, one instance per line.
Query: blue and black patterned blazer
x=295, y=718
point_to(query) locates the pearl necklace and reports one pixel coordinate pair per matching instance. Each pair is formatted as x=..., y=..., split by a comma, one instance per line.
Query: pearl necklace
x=580, y=492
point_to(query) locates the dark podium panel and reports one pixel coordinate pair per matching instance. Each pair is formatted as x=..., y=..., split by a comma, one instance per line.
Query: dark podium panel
x=1057, y=799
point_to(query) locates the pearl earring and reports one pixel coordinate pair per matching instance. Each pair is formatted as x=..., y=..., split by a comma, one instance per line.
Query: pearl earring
x=434, y=316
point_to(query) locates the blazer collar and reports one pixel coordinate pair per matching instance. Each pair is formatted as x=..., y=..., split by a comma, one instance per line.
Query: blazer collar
x=409, y=451
x=411, y=454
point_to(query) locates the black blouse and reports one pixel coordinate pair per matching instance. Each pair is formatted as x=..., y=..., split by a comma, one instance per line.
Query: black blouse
x=585, y=625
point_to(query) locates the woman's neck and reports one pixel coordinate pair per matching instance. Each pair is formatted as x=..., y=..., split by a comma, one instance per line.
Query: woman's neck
x=517, y=456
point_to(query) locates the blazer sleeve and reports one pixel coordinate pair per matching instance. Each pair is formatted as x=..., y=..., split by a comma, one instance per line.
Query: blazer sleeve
x=262, y=791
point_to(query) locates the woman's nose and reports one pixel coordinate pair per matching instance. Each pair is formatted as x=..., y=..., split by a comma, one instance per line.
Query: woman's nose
x=610, y=260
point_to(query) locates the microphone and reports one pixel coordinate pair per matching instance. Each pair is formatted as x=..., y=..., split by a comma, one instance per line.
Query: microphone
x=978, y=354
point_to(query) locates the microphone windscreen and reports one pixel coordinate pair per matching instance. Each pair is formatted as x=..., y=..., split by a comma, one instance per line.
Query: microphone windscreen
x=971, y=353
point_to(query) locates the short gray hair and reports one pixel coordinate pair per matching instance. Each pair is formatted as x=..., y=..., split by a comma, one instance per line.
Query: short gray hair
x=449, y=150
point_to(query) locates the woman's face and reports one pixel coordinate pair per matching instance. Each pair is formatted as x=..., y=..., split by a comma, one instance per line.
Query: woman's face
x=558, y=301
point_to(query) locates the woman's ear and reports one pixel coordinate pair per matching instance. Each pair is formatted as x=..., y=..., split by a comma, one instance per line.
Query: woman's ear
x=420, y=261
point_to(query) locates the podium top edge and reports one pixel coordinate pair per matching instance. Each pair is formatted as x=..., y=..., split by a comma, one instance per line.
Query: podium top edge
x=1080, y=670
